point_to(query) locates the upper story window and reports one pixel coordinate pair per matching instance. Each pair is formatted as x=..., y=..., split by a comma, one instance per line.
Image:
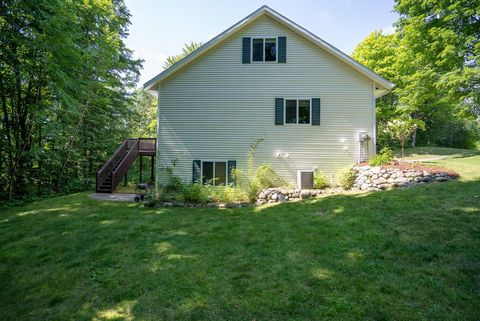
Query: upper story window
x=264, y=49
x=297, y=111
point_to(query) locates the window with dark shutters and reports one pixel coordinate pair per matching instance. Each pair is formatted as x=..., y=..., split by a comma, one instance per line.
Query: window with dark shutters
x=265, y=49
x=217, y=173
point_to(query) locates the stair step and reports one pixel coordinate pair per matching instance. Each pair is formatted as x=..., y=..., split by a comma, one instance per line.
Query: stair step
x=118, y=163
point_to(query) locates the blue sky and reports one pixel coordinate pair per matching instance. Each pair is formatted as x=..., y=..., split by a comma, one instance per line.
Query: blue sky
x=160, y=28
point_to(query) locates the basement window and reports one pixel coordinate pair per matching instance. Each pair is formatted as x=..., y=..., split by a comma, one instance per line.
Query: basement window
x=214, y=173
x=264, y=49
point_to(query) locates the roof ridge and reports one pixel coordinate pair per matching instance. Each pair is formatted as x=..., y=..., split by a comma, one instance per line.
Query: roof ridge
x=264, y=9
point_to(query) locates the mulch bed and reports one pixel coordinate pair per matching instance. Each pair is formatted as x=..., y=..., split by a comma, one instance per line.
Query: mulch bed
x=418, y=167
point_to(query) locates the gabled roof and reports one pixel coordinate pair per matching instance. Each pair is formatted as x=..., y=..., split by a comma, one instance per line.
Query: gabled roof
x=265, y=10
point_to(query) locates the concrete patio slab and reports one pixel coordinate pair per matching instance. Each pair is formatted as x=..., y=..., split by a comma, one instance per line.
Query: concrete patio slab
x=113, y=197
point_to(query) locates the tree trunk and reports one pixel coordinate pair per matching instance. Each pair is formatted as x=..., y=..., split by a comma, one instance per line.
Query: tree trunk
x=414, y=137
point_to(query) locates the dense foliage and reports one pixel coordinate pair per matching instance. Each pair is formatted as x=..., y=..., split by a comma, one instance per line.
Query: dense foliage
x=65, y=75
x=433, y=58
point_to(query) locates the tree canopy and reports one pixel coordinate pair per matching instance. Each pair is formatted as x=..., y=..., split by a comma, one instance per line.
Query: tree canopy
x=187, y=49
x=433, y=58
x=66, y=76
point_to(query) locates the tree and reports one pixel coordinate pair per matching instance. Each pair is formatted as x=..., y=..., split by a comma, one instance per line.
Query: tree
x=186, y=50
x=378, y=51
x=65, y=80
x=433, y=60
x=144, y=111
x=439, y=62
x=403, y=128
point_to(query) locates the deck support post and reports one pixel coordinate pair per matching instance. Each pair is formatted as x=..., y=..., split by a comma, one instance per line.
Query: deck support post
x=126, y=179
x=152, y=170
x=141, y=168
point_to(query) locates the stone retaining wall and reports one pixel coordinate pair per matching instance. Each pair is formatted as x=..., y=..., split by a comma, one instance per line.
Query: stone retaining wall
x=368, y=178
x=278, y=194
x=373, y=178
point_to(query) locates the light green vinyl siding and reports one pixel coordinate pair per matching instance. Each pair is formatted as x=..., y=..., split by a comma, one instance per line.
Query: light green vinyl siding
x=215, y=107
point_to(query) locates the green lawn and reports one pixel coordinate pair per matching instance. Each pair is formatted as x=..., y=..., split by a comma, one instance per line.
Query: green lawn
x=410, y=254
x=434, y=152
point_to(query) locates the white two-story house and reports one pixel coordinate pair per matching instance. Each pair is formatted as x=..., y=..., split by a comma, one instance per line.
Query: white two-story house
x=267, y=80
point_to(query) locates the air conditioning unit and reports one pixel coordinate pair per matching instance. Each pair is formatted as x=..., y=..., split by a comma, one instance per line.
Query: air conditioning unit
x=305, y=179
x=363, y=136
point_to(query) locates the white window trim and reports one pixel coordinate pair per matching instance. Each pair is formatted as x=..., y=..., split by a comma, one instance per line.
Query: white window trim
x=263, y=61
x=215, y=161
x=285, y=112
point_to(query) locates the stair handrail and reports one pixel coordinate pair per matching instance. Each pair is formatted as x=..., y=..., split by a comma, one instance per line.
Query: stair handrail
x=119, y=172
x=103, y=172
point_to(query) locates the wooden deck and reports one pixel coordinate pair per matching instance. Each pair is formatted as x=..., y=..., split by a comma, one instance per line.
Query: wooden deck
x=146, y=146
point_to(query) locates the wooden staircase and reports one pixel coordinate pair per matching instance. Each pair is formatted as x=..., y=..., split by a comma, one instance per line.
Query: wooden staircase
x=117, y=166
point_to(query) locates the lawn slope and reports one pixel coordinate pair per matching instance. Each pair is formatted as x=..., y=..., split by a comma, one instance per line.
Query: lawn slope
x=408, y=254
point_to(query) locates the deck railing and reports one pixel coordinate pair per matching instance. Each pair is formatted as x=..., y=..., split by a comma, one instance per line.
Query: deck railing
x=122, y=168
x=130, y=148
x=147, y=144
x=108, y=167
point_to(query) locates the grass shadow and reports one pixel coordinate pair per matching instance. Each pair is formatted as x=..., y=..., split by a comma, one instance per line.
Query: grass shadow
x=402, y=254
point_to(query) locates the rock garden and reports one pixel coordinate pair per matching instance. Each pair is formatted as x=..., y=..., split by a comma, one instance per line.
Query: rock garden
x=366, y=178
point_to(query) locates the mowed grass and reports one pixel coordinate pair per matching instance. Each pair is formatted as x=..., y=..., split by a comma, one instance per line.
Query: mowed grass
x=468, y=167
x=411, y=254
x=435, y=152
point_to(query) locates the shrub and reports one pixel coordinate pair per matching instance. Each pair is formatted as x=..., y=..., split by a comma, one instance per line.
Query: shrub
x=267, y=177
x=174, y=185
x=227, y=194
x=195, y=193
x=383, y=158
x=319, y=180
x=347, y=179
x=264, y=177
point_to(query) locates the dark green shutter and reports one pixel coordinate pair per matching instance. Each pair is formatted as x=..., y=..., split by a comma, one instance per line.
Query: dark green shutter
x=316, y=111
x=278, y=111
x=196, y=171
x=246, y=48
x=282, y=49
x=230, y=167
